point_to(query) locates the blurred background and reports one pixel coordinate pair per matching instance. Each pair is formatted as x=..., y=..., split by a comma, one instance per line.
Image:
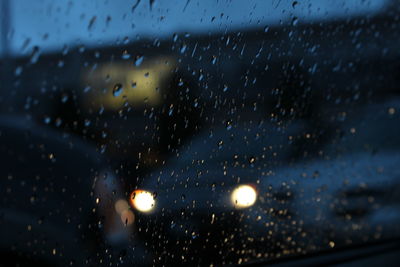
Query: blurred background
x=199, y=132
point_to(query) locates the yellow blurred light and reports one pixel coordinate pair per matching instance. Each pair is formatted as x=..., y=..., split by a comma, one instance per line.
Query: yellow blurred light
x=139, y=85
x=243, y=196
x=142, y=200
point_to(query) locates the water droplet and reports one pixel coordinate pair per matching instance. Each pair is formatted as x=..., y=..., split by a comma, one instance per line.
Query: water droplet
x=64, y=98
x=58, y=122
x=152, y=3
x=35, y=54
x=228, y=125
x=117, y=89
x=91, y=23
x=294, y=4
x=87, y=89
x=18, y=71
x=183, y=48
x=220, y=144
x=108, y=20
x=194, y=235
x=213, y=186
x=126, y=55
x=295, y=21
x=47, y=120
x=81, y=48
x=175, y=37
x=171, y=111
x=212, y=218
x=25, y=44
x=125, y=40
x=135, y=6
x=65, y=50
x=214, y=60
x=138, y=61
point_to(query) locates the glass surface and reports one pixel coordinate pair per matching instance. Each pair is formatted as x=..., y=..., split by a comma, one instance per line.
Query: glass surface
x=198, y=133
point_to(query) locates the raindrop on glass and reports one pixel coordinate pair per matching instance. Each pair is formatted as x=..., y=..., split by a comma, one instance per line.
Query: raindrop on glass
x=138, y=61
x=117, y=89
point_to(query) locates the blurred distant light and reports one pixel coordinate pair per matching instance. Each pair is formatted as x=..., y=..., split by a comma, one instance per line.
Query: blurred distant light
x=121, y=205
x=127, y=217
x=244, y=196
x=122, y=208
x=142, y=200
x=127, y=83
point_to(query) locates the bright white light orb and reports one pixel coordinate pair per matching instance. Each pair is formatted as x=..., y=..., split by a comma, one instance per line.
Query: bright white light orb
x=142, y=200
x=244, y=196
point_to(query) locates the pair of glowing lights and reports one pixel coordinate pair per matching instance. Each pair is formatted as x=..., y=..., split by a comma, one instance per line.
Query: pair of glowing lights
x=242, y=196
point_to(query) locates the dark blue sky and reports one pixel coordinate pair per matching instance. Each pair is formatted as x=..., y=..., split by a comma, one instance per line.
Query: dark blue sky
x=52, y=24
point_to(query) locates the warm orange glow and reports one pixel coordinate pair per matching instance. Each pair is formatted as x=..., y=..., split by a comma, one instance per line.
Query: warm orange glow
x=127, y=217
x=121, y=205
x=142, y=200
x=122, y=208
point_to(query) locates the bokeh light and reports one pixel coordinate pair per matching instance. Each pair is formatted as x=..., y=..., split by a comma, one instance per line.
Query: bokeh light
x=142, y=200
x=243, y=196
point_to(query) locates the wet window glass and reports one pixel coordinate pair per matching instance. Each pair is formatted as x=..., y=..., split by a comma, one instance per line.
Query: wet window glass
x=199, y=133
